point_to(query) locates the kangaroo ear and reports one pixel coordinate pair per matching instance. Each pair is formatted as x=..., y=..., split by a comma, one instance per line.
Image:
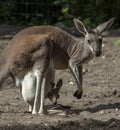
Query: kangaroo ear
x=59, y=85
x=105, y=26
x=82, y=28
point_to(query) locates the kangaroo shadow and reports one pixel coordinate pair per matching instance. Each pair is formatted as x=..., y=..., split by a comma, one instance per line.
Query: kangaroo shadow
x=98, y=108
x=95, y=109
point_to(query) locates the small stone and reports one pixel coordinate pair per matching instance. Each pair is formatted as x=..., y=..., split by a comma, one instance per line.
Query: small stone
x=113, y=61
x=29, y=122
x=8, y=124
x=102, y=112
x=16, y=97
x=85, y=71
x=46, y=124
x=104, y=57
x=116, y=109
x=71, y=83
x=103, y=45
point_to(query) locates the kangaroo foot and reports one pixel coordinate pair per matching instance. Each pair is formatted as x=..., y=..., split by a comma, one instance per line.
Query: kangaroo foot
x=43, y=112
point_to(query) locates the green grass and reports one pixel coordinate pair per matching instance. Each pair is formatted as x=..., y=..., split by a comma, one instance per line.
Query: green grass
x=117, y=42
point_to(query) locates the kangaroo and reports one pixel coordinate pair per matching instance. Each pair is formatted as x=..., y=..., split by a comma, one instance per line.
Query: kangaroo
x=33, y=49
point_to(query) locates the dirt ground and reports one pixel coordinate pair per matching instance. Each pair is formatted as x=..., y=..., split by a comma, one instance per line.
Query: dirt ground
x=98, y=109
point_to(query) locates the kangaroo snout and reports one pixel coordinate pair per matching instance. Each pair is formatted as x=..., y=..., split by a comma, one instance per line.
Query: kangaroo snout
x=98, y=53
x=54, y=101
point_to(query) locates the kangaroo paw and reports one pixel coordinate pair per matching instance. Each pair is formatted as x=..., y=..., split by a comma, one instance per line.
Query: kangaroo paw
x=34, y=112
x=77, y=94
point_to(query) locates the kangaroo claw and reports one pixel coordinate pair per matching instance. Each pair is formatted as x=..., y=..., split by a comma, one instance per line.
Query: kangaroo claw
x=78, y=95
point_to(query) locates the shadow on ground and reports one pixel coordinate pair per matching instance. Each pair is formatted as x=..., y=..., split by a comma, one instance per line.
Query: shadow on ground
x=98, y=108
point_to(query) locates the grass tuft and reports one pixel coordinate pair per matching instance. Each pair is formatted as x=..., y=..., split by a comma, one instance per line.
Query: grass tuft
x=117, y=42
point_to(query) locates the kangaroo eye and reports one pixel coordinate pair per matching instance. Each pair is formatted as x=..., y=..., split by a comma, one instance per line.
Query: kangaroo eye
x=90, y=41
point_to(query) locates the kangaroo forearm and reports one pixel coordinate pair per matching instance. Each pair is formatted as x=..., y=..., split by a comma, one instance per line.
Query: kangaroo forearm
x=80, y=74
x=76, y=72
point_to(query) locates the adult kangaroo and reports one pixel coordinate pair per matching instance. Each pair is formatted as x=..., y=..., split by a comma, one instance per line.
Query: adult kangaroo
x=34, y=48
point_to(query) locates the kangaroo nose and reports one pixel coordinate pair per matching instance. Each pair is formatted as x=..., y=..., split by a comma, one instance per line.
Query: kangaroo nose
x=98, y=53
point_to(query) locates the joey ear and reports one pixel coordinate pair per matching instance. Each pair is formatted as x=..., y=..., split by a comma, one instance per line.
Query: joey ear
x=59, y=85
x=82, y=28
x=104, y=26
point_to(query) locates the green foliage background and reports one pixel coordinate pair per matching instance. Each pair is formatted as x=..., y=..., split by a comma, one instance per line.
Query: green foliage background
x=30, y=12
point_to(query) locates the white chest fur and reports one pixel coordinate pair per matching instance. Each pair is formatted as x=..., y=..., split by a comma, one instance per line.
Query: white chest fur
x=29, y=87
